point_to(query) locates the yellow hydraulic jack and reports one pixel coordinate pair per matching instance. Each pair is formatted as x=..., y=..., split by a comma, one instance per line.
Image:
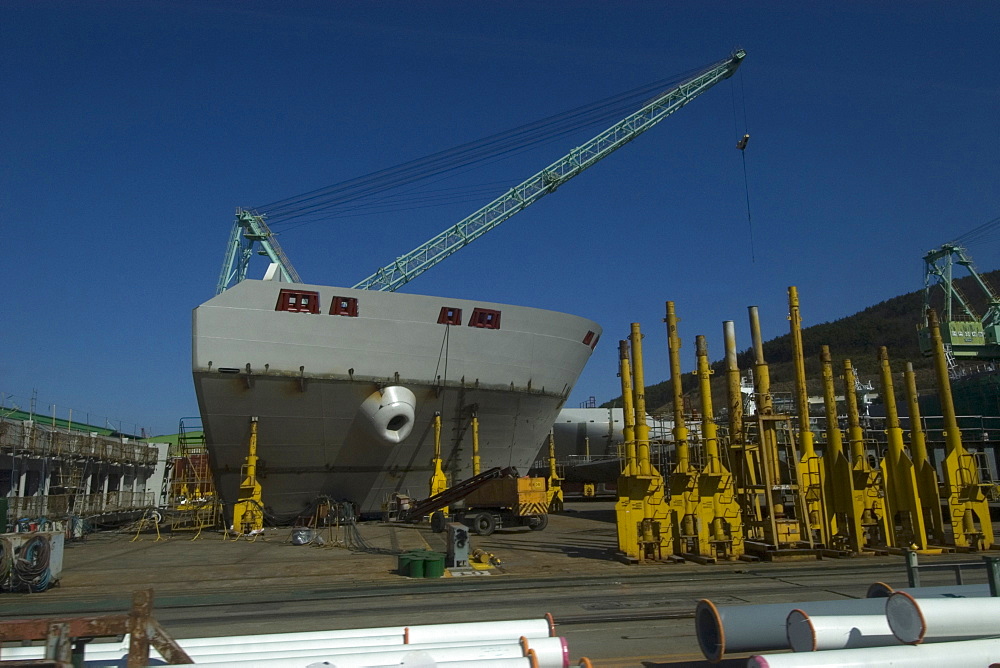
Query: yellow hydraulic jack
x=927, y=479
x=742, y=453
x=719, y=510
x=869, y=484
x=779, y=529
x=476, y=460
x=968, y=502
x=248, y=512
x=642, y=517
x=438, y=481
x=554, y=482
x=905, y=514
x=844, y=503
x=810, y=466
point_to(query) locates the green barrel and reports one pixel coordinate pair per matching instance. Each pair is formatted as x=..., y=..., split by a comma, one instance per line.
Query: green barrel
x=417, y=561
x=403, y=563
x=433, y=565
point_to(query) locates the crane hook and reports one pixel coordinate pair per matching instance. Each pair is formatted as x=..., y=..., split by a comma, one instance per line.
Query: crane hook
x=742, y=144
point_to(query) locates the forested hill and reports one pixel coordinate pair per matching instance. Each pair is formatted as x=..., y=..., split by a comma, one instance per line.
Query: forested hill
x=892, y=323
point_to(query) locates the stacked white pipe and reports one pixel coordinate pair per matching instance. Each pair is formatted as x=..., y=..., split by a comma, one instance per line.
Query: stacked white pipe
x=922, y=632
x=503, y=644
x=845, y=622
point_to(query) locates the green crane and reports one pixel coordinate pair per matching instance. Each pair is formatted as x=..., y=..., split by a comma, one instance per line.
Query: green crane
x=251, y=230
x=964, y=333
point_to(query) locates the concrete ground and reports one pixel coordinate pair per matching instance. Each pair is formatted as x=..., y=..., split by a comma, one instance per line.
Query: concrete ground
x=615, y=614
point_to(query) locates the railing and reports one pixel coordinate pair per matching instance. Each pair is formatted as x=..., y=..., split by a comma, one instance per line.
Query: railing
x=57, y=506
x=39, y=440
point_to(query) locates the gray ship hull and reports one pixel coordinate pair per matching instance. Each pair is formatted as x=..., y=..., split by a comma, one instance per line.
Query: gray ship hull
x=346, y=384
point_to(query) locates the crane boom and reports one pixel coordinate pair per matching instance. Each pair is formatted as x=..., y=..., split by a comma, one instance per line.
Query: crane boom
x=405, y=268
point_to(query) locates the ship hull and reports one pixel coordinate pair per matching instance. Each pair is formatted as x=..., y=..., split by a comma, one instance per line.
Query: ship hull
x=321, y=385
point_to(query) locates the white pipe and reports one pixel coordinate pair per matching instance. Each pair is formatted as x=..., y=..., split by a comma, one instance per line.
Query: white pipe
x=528, y=628
x=965, y=654
x=816, y=633
x=548, y=649
x=756, y=628
x=881, y=589
x=524, y=662
x=942, y=619
x=393, y=657
x=386, y=635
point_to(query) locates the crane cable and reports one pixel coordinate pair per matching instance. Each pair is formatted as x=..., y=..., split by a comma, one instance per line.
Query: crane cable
x=318, y=204
x=742, y=146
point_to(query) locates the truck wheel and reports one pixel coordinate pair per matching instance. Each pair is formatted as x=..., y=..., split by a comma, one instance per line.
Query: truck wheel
x=538, y=522
x=438, y=522
x=484, y=524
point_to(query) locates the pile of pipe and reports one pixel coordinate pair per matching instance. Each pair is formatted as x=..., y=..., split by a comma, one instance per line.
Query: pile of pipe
x=530, y=643
x=954, y=626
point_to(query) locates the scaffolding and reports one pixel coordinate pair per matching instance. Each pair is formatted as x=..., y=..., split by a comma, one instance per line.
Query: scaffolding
x=51, y=473
x=190, y=500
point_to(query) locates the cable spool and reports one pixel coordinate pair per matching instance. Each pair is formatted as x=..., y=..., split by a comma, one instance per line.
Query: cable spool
x=31, y=565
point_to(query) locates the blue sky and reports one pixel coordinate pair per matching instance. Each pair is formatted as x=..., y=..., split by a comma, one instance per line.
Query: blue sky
x=130, y=132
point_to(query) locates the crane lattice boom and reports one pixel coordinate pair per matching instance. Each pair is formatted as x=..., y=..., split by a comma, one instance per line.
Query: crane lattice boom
x=392, y=276
x=249, y=230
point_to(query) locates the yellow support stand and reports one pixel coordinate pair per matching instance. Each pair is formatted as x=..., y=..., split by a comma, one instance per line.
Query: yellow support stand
x=722, y=517
x=783, y=527
x=476, y=461
x=248, y=512
x=641, y=516
x=554, y=482
x=844, y=504
x=439, y=482
x=967, y=495
x=810, y=466
x=927, y=479
x=869, y=484
x=906, y=518
x=742, y=453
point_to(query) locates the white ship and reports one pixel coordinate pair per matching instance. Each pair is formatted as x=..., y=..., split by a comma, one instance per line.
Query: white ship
x=345, y=384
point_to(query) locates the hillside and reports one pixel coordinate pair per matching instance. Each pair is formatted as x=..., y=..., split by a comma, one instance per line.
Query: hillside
x=891, y=323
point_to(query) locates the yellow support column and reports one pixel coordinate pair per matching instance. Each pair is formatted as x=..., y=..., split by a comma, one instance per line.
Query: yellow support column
x=438, y=481
x=476, y=462
x=869, y=485
x=555, y=491
x=690, y=536
x=780, y=529
x=810, y=466
x=655, y=533
x=967, y=501
x=715, y=482
x=906, y=518
x=744, y=471
x=248, y=511
x=927, y=479
x=845, y=503
x=629, y=509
